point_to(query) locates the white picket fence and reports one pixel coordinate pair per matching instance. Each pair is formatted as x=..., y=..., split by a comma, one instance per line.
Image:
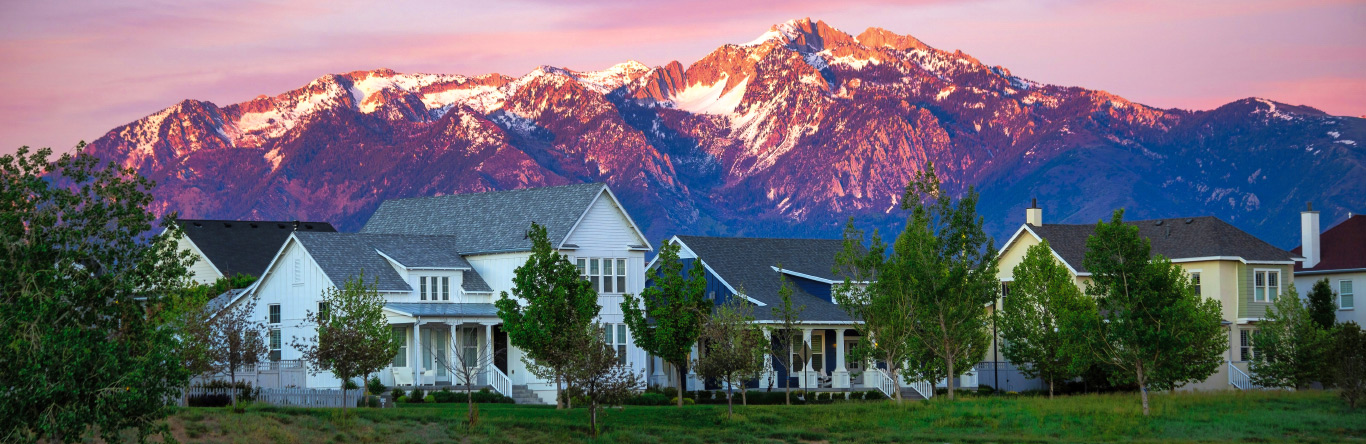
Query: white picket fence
x=291, y=397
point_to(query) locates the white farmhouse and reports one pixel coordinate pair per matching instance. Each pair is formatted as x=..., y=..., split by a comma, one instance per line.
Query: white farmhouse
x=441, y=262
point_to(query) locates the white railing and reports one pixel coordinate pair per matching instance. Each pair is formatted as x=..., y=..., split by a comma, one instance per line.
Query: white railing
x=288, y=397
x=924, y=388
x=882, y=382
x=500, y=382
x=1240, y=379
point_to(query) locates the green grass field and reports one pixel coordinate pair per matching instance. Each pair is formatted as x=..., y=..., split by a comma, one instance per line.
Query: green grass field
x=1311, y=416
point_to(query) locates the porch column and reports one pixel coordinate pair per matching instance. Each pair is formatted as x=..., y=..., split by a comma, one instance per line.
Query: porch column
x=807, y=369
x=488, y=343
x=417, y=352
x=767, y=379
x=840, y=376
x=692, y=383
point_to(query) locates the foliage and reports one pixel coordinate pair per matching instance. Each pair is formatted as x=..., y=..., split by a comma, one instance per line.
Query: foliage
x=1149, y=322
x=666, y=319
x=81, y=278
x=552, y=309
x=467, y=375
x=733, y=345
x=885, y=310
x=1323, y=306
x=599, y=377
x=374, y=386
x=783, y=332
x=354, y=337
x=1033, y=319
x=1291, y=348
x=237, y=338
x=1349, y=362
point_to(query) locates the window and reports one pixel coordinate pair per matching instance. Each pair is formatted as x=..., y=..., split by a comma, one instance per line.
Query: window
x=298, y=271
x=1266, y=285
x=711, y=295
x=1245, y=345
x=431, y=288
x=1005, y=289
x=273, y=316
x=275, y=344
x=401, y=359
x=1346, y=301
x=615, y=336
x=323, y=312
x=818, y=350
x=469, y=346
x=798, y=349
x=1195, y=282
x=607, y=275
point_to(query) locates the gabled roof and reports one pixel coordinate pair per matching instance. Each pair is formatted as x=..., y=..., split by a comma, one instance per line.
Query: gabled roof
x=345, y=255
x=488, y=222
x=1178, y=239
x=747, y=264
x=241, y=246
x=1343, y=247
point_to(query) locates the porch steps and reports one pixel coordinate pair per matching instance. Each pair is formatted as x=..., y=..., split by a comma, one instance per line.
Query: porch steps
x=909, y=394
x=522, y=395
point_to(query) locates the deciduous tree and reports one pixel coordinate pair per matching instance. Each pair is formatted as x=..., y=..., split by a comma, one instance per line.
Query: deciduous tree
x=598, y=374
x=882, y=304
x=550, y=309
x=354, y=337
x=237, y=339
x=81, y=274
x=1033, y=319
x=733, y=347
x=666, y=319
x=1323, y=306
x=787, y=315
x=1349, y=362
x=1292, y=351
x=1150, y=323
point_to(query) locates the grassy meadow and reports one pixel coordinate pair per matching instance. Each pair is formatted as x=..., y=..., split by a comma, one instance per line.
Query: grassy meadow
x=1309, y=416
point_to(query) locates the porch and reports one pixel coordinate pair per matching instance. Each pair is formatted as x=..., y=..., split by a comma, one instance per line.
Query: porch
x=448, y=345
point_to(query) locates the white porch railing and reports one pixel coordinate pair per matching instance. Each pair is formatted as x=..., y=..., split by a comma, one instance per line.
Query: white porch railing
x=884, y=383
x=1240, y=379
x=500, y=381
x=289, y=397
x=924, y=388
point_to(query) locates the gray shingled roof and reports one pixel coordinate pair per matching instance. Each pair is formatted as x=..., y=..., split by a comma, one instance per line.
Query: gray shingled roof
x=443, y=309
x=487, y=222
x=748, y=263
x=1178, y=238
x=345, y=255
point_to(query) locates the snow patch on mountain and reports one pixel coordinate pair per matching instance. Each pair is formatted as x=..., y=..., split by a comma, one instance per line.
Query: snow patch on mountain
x=609, y=79
x=711, y=99
x=782, y=32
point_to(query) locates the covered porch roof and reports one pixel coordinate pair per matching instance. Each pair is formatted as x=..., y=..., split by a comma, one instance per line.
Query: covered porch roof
x=436, y=309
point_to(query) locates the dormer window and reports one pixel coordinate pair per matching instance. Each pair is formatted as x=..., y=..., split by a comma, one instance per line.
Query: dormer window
x=434, y=288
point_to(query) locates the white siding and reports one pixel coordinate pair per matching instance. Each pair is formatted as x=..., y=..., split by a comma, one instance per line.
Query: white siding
x=1305, y=283
x=604, y=227
x=201, y=271
x=497, y=269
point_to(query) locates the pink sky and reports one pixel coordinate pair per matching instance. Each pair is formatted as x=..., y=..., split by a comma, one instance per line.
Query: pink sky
x=72, y=70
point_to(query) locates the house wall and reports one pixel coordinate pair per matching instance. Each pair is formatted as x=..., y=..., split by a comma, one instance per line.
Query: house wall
x=201, y=271
x=1305, y=282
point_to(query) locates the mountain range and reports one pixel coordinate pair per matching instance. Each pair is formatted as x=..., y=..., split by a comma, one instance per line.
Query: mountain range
x=788, y=135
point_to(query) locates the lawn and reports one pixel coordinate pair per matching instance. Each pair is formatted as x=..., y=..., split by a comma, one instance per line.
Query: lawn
x=1310, y=416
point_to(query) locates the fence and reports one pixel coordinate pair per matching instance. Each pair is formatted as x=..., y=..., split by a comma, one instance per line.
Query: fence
x=289, y=397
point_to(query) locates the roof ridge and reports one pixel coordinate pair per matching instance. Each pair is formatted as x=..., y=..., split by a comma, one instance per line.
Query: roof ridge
x=756, y=238
x=484, y=193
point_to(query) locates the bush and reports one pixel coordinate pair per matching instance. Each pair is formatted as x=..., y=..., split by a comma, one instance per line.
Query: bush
x=647, y=398
x=417, y=394
x=350, y=385
x=983, y=389
x=671, y=392
x=446, y=396
x=368, y=401
x=873, y=395
x=429, y=399
x=401, y=399
x=686, y=401
x=375, y=386
x=396, y=393
x=245, y=393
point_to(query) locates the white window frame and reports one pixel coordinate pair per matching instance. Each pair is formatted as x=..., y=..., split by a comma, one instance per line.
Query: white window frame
x=595, y=269
x=1265, y=296
x=324, y=311
x=472, y=335
x=434, y=288
x=275, y=342
x=1351, y=294
x=274, y=314
x=615, y=336
x=1245, y=351
x=818, y=350
x=402, y=333
x=1197, y=281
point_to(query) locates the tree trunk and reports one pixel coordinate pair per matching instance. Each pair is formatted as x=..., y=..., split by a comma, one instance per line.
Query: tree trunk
x=787, y=386
x=1143, y=389
x=744, y=396
x=682, y=383
x=951, y=374
x=593, y=418
x=730, y=403
x=1050, y=389
x=232, y=376
x=896, y=384
x=559, y=400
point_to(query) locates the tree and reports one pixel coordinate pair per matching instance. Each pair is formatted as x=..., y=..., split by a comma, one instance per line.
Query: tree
x=733, y=347
x=1323, y=307
x=81, y=273
x=354, y=337
x=466, y=370
x=666, y=319
x=237, y=339
x=559, y=307
x=1291, y=348
x=1033, y=319
x=945, y=264
x=1349, y=361
x=788, y=317
x=1149, y=323
x=598, y=374
x=883, y=304
x=189, y=313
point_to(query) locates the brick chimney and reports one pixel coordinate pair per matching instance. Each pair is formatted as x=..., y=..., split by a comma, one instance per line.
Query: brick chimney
x=1034, y=214
x=1309, y=236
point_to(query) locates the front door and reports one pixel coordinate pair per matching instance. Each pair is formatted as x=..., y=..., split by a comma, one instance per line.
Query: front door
x=434, y=348
x=854, y=366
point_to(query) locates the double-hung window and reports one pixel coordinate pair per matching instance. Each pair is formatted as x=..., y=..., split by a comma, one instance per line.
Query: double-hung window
x=434, y=288
x=275, y=342
x=1346, y=299
x=324, y=312
x=608, y=275
x=1195, y=282
x=1266, y=285
x=1005, y=289
x=401, y=335
x=615, y=336
x=273, y=314
x=1245, y=344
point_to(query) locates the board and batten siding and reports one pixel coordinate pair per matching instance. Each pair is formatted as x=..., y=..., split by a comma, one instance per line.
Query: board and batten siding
x=296, y=299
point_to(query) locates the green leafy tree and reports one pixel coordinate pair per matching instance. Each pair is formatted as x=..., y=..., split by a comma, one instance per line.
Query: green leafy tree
x=550, y=310
x=945, y=263
x=666, y=319
x=1150, y=324
x=1292, y=351
x=354, y=337
x=733, y=347
x=1349, y=362
x=883, y=304
x=599, y=376
x=1323, y=307
x=1033, y=319
x=189, y=313
x=237, y=339
x=787, y=315
x=81, y=277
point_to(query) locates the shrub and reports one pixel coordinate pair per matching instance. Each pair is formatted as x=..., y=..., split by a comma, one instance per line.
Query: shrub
x=984, y=389
x=375, y=386
x=396, y=393
x=686, y=401
x=446, y=396
x=671, y=392
x=873, y=395
x=417, y=394
x=401, y=399
x=350, y=385
x=429, y=398
x=368, y=401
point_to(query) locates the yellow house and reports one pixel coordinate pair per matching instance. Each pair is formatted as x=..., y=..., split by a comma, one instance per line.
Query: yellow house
x=1244, y=273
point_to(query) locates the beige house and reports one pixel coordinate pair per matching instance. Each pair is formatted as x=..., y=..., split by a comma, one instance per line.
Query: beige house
x=1243, y=272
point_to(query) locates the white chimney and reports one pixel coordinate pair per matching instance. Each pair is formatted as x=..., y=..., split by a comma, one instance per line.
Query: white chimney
x=1034, y=214
x=1309, y=236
